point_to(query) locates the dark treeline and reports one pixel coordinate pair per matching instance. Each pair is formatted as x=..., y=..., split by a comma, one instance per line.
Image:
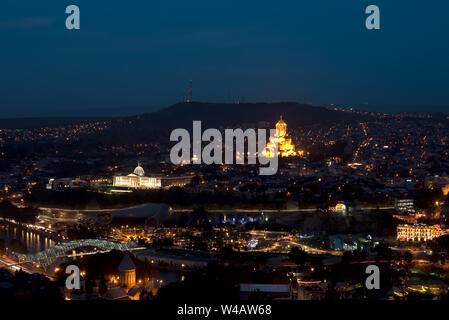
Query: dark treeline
x=30, y=287
x=175, y=197
x=10, y=211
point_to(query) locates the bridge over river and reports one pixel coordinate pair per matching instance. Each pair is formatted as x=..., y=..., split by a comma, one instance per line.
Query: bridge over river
x=49, y=256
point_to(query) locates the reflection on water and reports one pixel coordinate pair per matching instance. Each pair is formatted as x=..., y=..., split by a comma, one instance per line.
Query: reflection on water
x=33, y=241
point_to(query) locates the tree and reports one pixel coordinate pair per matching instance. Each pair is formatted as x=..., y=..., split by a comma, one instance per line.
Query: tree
x=80, y=232
x=10, y=211
x=17, y=246
x=407, y=257
x=359, y=255
x=199, y=244
x=316, y=261
x=427, y=198
x=257, y=296
x=297, y=255
x=347, y=257
x=89, y=287
x=102, y=288
x=226, y=253
x=383, y=252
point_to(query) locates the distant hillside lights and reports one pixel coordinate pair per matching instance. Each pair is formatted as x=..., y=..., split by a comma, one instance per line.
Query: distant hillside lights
x=212, y=153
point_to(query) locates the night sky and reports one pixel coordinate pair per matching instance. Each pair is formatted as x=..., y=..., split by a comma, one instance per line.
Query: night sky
x=136, y=56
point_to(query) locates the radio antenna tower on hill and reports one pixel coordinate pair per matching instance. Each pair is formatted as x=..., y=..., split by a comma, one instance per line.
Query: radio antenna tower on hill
x=190, y=98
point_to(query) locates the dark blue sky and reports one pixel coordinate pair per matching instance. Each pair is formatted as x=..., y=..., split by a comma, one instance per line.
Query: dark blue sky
x=134, y=56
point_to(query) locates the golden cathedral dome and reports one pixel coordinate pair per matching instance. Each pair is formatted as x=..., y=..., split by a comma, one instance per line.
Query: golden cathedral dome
x=281, y=122
x=281, y=128
x=281, y=144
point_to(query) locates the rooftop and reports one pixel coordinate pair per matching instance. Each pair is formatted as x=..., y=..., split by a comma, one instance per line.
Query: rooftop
x=126, y=264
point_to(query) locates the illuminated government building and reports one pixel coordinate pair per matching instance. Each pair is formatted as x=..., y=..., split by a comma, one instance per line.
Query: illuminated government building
x=138, y=180
x=284, y=143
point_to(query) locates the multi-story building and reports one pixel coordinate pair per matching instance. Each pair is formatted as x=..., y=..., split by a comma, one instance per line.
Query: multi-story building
x=405, y=205
x=418, y=232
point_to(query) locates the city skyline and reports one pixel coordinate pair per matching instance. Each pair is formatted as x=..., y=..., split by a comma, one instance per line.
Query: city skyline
x=225, y=159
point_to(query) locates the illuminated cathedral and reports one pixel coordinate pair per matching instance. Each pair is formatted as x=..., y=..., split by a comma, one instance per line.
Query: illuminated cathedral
x=284, y=143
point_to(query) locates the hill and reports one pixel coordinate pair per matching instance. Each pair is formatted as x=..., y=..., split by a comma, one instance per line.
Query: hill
x=219, y=115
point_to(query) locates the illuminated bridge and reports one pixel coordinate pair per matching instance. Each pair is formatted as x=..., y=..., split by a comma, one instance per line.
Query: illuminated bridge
x=49, y=255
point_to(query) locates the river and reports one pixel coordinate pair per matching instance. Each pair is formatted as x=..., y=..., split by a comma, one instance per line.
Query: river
x=34, y=241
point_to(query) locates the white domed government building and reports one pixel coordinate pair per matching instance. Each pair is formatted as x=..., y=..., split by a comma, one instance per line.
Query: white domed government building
x=137, y=179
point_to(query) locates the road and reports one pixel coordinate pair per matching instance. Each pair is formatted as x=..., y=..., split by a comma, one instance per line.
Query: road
x=286, y=240
x=9, y=263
